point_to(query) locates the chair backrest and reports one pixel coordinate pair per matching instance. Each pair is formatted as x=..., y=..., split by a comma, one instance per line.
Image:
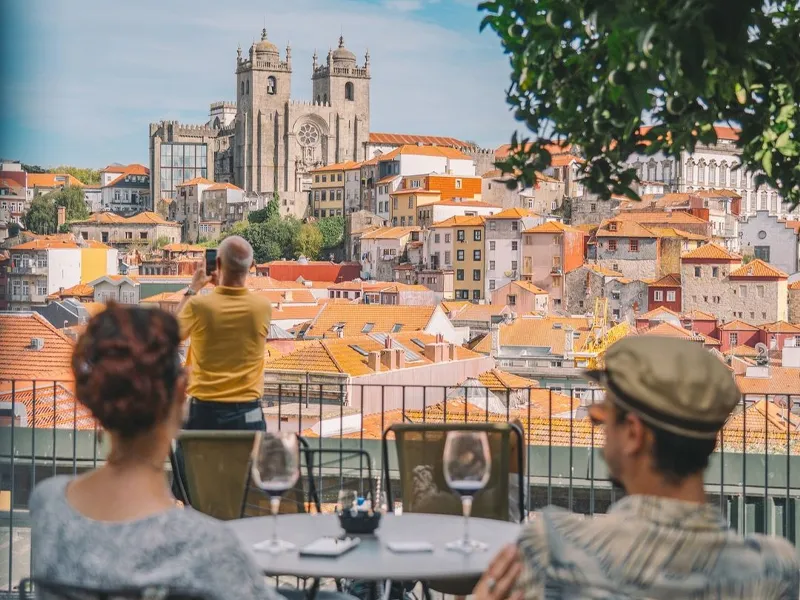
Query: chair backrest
x=333, y=469
x=41, y=589
x=420, y=447
x=216, y=465
x=256, y=503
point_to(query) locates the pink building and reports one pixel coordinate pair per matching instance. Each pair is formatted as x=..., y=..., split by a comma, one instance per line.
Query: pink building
x=549, y=251
x=522, y=297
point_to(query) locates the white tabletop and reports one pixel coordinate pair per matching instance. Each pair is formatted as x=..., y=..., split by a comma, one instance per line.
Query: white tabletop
x=371, y=559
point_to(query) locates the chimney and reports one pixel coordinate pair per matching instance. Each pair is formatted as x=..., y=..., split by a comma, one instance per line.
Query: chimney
x=374, y=361
x=401, y=358
x=62, y=215
x=389, y=359
x=451, y=352
x=434, y=352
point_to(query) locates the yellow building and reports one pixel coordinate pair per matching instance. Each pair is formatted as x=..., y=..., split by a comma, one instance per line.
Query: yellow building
x=97, y=260
x=329, y=188
x=464, y=242
x=406, y=202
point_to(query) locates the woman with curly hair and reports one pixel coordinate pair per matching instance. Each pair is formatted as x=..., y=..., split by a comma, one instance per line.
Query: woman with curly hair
x=118, y=526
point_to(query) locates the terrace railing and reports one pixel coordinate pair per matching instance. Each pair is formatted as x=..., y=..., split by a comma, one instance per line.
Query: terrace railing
x=754, y=475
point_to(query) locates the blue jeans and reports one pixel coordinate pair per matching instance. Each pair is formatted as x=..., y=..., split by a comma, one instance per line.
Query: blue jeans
x=237, y=416
x=207, y=415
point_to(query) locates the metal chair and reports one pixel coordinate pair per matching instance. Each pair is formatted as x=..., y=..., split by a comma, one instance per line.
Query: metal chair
x=420, y=447
x=42, y=589
x=345, y=469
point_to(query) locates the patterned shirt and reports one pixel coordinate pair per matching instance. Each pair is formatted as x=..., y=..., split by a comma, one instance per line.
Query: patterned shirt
x=652, y=548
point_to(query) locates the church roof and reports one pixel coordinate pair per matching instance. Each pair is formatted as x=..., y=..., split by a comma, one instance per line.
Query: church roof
x=398, y=139
x=265, y=46
x=343, y=54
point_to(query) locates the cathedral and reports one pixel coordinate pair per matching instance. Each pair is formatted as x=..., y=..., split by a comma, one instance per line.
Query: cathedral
x=267, y=141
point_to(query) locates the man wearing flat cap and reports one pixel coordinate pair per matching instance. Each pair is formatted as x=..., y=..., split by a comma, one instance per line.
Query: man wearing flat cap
x=666, y=400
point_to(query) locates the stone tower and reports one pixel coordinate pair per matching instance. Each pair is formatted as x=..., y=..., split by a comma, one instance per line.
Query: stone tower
x=344, y=85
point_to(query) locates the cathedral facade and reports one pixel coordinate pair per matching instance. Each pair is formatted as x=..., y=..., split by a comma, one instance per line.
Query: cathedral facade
x=271, y=142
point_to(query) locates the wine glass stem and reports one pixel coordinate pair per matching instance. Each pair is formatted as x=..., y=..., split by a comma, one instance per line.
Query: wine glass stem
x=466, y=507
x=275, y=505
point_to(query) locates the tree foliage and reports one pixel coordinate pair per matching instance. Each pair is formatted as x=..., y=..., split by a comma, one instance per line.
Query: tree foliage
x=41, y=217
x=271, y=240
x=85, y=176
x=308, y=242
x=13, y=229
x=71, y=198
x=594, y=72
x=332, y=229
x=33, y=168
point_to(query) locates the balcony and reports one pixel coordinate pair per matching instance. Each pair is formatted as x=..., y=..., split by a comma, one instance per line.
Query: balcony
x=556, y=271
x=19, y=297
x=29, y=269
x=43, y=433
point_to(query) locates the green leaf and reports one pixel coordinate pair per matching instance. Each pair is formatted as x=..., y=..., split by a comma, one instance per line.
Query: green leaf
x=766, y=162
x=741, y=94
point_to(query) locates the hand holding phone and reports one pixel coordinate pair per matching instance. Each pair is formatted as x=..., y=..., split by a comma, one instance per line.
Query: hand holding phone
x=211, y=260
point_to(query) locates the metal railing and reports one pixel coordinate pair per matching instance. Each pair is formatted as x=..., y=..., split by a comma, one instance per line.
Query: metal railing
x=45, y=432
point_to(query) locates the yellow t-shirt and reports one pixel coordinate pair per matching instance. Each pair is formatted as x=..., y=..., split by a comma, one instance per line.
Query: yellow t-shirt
x=228, y=329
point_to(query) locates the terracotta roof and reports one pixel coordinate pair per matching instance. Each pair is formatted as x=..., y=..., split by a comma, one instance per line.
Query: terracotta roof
x=51, y=406
x=183, y=248
x=196, y=181
x=48, y=180
x=466, y=203
x=742, y=350
x=546, y=332
x=780, y=327
x=76, y=291
x=93, y=308
x=342, y=166
x=795, y=285
x=765, y=416
x=148, y=218
x=528, y=287
x=114, y=169
x=98, y=245
x=497, y=379
x=450, y=306
x=553, y=149
x=44, y=244
x=438, y=151
x=670, y=280
x=724, y=132
x=671, y=232
x=711, y=251
x=19, y=361
x=562, y=160
x=132, y=169
x=106, y=218
x=758, y=268
x=661, y=218
x=513, y=213
x=352, y=319
x=478, y=312
x=167, y=297
x=553, y=227
x=390, y=139
x=306, y=313
x=699, y=315
x=717, y=194
x=389, y=233
x=600, y=270
x=388, y=178
x=624, y=229
x=297, y=296
x=348, y=355
x=658, y=312
x=668, y=329
x=781, y=380
x=737, y=325
x=103, y=218
x=461, y=221
x=223, y=186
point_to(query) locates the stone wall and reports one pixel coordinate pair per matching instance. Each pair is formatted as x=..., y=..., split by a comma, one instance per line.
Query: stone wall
x=633, y=265
x=794, y=305
x=588, y=209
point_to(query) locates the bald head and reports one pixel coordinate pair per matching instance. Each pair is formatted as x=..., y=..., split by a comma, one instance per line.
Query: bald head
x=236, y=256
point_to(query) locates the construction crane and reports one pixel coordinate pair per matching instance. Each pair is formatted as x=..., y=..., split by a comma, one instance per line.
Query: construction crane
x=601, y=337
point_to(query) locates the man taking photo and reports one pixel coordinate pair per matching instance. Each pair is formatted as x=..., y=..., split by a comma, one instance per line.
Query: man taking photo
x=666, y=401
x=227, y=330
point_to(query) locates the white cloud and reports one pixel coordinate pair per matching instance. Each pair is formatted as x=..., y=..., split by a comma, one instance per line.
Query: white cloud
x=102, y=78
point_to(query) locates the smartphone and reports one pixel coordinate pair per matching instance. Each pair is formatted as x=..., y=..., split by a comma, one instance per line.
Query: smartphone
x=211, y=260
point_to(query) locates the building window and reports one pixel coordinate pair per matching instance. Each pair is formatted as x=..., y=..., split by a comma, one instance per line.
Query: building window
x=476, y=235
x=760, y=290
x=615, y=267
x=492, y=225
x=460, y=274
x=612, y=245
x=514, y=226
x=179, y=163
x=715, y=271
x=697, y=271
x=658, y=296
x=41, y=260
x=462, y=294
x=511, y=300
x=476, y=294
x=743, y=291
x=349, y=91
x=447, y=238
x=128, y=235
x=458, y=184
x=491, y=265
x=593, y=207
x=514, y=246
x=272, y=86
x=715, y=299
x=447, y=257
x=761, y=252
x=436, y=238
x=461, y=235
x=633, y=245
x=476, y=255
x=491, y=288
x=734, y=337
x=671, y=296
x=459, y=255
x=142, y=235
x=338, y=177
x=476, y=274
x=85, y=235
x=513, y=265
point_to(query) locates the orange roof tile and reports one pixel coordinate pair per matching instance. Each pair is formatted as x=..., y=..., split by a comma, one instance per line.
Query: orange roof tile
x=76, y=291
x=389, y=233
x=668, y=329
x=737, y=325
x=670, y=280
x=781, y=380
x=51, y=406
x=699, y=315
x=196, y=181
x=528, y=287
x=497, y=379
x=93, y=308
x=671, y=232
x=133, y=169
x=183, y=248
x=553, y=227
x=288, y=297
x=661, y=311
x=461, y=221
x=546, y=332
x=347, y=165
x=562, y=160
x=758, y=268
x=466, y=203
x=388, y=178
x=513, y=213
x=439, y=151
x=742, y=350
x=148, y=218
x=352, y=318
x=478, y=312
x=114, y=169
x=95, y=244
x=19, y=361
x=600, y=270
x=780, y=327
x=52, y=180
x=795, y=285
x=711, y=251
x=39, y=244
x=224, y=185
x=624, y=229
x=661, y=218
x=390, y=139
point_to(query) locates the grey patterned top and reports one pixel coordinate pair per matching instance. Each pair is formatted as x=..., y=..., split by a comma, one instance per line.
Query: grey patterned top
x=179, y=548
x=655, y=549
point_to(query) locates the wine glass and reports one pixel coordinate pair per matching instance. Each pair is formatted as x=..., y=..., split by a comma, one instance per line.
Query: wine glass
x=275, y=467
x=467, y=466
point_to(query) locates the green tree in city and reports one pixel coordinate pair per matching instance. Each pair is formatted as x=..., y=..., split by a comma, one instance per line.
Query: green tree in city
x=308, y=242
x=594, y=72
x=33, y=168
x=13, y=229
x=71, y=197
x=41, y=216
x=269, y=212
x=85, y=176
x=332, y=229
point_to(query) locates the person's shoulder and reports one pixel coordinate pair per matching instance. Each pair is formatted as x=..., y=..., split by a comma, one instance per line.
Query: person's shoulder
x=213, y=531
x=48, y=491
x=775, y=552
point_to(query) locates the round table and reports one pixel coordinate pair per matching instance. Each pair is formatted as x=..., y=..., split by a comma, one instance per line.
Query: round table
x=371, y=559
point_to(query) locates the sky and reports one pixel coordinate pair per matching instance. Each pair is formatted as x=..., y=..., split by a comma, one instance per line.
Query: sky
x=83, y=79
